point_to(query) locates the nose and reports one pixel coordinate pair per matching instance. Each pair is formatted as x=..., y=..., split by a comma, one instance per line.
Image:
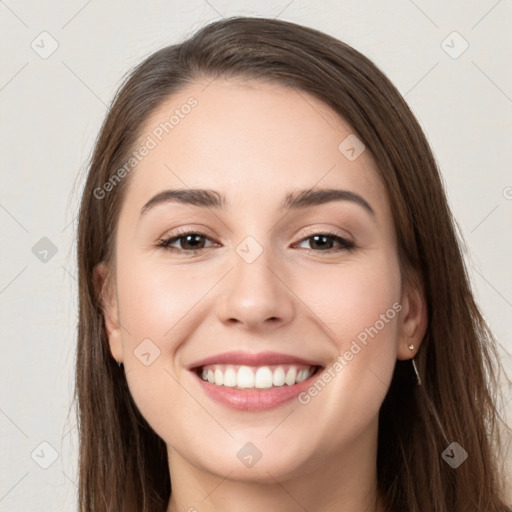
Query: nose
x=256, y=295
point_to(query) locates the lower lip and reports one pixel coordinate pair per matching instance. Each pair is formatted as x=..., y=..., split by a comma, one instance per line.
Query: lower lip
x=254, y=399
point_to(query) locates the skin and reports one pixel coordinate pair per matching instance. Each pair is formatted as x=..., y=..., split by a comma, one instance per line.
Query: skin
x=254, y=142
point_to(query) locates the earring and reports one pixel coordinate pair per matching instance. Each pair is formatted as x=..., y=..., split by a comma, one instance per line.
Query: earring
x=119, y=363
x=418, y=378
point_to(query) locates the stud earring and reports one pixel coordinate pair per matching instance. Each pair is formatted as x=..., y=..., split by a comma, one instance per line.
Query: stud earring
x=411, y=347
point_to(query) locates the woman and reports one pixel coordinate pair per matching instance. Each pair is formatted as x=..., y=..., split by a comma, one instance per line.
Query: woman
x=274, y=308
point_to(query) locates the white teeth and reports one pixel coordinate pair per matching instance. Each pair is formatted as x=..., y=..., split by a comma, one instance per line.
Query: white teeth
x=302, y=375
x=230, y=378
x=219, y=377
x=278, y=378
x=262, y=377
x=245, y=377
x=291, y=374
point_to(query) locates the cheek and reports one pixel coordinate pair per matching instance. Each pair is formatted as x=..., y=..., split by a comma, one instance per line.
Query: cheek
x=349, y=299
x=160, y=308
x=155, y=301
x=156, y=305
x=358, y=309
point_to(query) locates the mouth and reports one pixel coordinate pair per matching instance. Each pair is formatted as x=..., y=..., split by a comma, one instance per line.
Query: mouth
x=254, y=382
x=243, y=377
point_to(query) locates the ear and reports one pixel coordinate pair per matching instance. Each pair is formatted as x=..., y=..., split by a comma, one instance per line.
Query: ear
x=414, y=320
x=105, y=291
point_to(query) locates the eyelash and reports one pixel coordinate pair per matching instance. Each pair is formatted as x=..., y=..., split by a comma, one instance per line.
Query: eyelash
x=345, y=245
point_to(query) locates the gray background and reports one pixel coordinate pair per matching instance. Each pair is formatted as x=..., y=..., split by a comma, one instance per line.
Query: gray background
x=51, y=109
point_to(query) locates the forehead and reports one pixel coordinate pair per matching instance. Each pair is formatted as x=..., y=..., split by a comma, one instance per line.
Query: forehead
x=250, y=139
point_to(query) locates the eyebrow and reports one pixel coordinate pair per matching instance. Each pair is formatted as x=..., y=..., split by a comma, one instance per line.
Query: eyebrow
x=297, y=199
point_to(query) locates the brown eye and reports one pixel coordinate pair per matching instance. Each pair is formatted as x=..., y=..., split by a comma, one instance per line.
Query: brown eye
x=323, y=242
x=190, y=242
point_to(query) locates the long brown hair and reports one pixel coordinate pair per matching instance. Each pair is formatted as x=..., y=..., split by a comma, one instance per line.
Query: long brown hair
x=122, y=462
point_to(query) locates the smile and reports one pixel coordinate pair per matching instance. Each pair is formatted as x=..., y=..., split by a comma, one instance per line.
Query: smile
x=263, y=377
x=253, y=382
x=252, y=377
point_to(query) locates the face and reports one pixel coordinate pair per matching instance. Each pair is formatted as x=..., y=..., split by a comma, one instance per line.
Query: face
x=294, y=314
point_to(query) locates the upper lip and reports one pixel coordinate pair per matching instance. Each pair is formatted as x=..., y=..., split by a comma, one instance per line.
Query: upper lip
x=252, y=359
